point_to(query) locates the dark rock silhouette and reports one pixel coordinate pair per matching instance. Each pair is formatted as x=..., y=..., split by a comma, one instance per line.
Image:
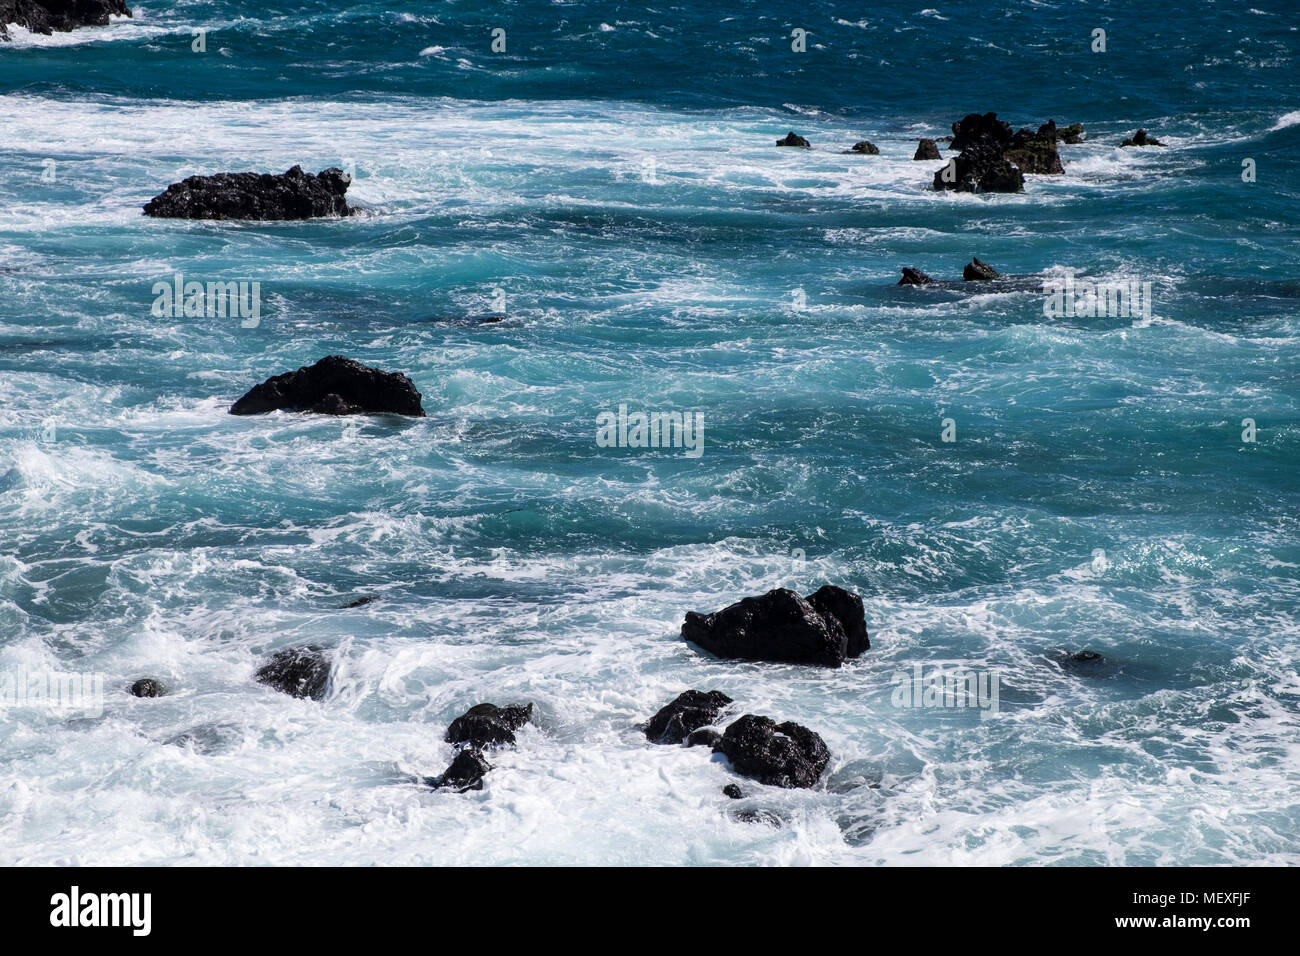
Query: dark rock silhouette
x=927, y=149
x=704, y=737
x=1072, y=134
x=1140, y=138
x=976, y=129
x=866, y=148
x=732, y=791
x=690, y=711
x=298, y=671
x=1035, y=152
x=977, y=270
x=982, y=168
x=826, y=628
x=290, y=195
x=465, y=773
x=47, y=16
x=148, y=687
x=793, y=139
x=994, y=159
x=334, y=386
x=914, y=277
x=779, y=755
x=487, y=725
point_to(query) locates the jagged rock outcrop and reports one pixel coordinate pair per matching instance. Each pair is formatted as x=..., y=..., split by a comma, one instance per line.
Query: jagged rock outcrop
x=298, y=671
x=261, y=196
x=825, y=628
x=865, y=147
x=793, y=139
x=690, y=711
x=977, y=270
x=914, y=277
x=1140, y=138
x=487, y=725
x=779, y=755
x=47, y=16
x=1034, y=152
x=465, y=772
x=927, y=149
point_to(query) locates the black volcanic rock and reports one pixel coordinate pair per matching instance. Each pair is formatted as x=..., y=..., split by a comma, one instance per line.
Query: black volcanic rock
x=845, y=608
x=782, y=626
x=1140, y=138
x=793, y=139
x=47, y=16
x=1035, y=152
x=866, y=148
x=914, y=277
x=927, y=149
x=297, y=671
x=704, y=737
x=691, y=710
x=732, y=791
x=334, y=386
x=290, y=195
x=779, y=755
x=977, y=270
x=487, y=725
x=994, y=159
x=980, y=167
x=148, y=687
x=1073, y=134
x=465, y=773
x=977, y=129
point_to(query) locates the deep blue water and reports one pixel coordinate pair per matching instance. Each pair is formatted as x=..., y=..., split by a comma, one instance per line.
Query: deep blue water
x=609, y=183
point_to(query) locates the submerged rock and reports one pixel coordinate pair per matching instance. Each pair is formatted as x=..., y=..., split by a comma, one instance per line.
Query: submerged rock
x=298, y=671
x=208, y=739
x=1140, y=138
x=825, y=628
x=704, y=737
x=47, y=16
x=914, y=277
x=793, y=139
x=732, y=791
x=262, y=196
x=334, y=386
x=779, y=755
x=1087, y=664
x=927, y=149
x=465, y=773
x=976, y=270
x=866, y=148
x=148, y=687
x=487, y=725
x=690, y=711
x=358, y=602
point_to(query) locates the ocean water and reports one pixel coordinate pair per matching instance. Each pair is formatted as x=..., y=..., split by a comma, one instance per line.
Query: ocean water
x=609, y=183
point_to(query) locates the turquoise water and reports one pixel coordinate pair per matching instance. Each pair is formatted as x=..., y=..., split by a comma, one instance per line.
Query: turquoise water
x=609, y=184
